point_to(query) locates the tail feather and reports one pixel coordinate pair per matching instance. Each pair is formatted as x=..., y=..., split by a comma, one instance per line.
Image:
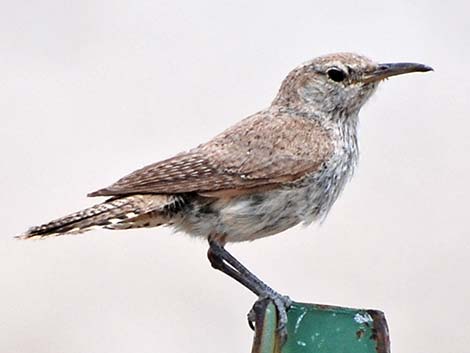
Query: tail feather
x=115, y=213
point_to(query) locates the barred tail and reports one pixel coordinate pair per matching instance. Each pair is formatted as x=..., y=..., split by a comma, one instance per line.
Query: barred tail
x=117, y=213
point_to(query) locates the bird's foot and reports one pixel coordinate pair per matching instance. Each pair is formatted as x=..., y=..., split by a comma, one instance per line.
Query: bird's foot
x=282, y=304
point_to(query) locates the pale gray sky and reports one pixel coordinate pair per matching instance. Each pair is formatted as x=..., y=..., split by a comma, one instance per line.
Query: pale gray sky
x=93, y=90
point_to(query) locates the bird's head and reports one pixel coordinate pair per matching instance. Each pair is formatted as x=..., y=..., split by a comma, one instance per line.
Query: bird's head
x=337, y=84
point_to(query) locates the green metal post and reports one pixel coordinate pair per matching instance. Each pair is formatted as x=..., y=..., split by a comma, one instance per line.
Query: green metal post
x=314, y=328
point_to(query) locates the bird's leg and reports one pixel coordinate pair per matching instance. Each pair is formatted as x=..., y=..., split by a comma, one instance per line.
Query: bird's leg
x=222, y=260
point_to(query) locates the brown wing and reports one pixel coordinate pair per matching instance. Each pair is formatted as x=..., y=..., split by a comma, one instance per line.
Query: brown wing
x=262, y=150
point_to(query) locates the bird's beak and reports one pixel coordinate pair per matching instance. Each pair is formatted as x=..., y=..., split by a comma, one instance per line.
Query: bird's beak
x=387, y=70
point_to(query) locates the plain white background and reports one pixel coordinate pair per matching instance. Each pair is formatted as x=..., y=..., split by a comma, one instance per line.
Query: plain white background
x=91, y=90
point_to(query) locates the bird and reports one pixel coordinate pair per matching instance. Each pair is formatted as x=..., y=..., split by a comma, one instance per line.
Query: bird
x=282, y=166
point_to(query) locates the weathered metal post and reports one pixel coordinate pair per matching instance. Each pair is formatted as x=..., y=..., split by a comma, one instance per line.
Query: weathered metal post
x=315, y=328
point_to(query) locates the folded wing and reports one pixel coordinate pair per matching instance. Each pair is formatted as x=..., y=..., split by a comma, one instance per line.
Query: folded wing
x=263, y=150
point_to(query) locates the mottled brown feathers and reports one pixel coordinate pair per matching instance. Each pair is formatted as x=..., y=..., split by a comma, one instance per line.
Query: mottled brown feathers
x=264, y=149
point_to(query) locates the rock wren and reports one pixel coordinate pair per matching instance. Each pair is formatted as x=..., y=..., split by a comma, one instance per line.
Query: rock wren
x=282, y=166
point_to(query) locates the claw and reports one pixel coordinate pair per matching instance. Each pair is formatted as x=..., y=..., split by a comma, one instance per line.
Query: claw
x=282, y=304
x=251, y=317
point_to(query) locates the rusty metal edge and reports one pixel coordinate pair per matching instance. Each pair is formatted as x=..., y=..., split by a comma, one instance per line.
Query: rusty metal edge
x=380, y=331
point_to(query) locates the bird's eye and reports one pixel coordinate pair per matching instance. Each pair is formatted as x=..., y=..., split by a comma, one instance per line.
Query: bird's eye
x=336, y=75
